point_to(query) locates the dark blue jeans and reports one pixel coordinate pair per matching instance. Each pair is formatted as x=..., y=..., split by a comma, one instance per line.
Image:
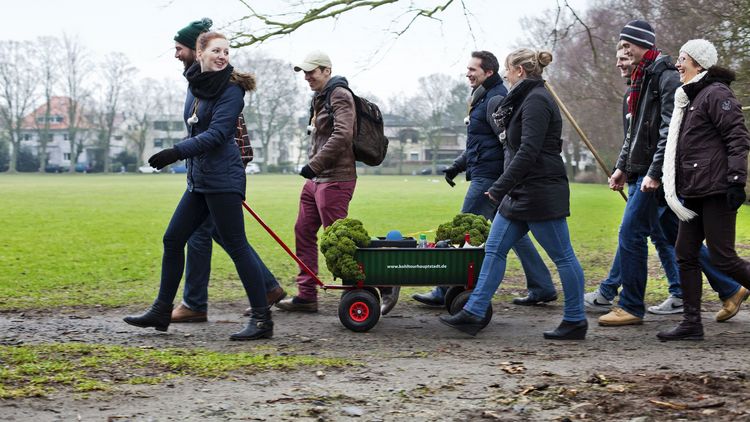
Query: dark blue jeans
x=198, y=267
x=640, y=210
x=226, y=210
x=664, y=248
x=538, y=278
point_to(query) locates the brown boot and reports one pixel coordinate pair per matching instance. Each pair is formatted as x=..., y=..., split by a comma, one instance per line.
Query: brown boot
x=732, y=305
x=184, y=314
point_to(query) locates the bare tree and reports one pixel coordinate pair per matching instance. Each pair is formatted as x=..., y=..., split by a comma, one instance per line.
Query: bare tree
x=433, y=105
x=17, y=92
x=143, y=98
x=116, y=73
x=272, y=108
x=75, y=65
x=266, y=26
x=47, y=62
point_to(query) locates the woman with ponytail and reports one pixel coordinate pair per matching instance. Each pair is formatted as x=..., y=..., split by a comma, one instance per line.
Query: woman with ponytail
x=533, y=194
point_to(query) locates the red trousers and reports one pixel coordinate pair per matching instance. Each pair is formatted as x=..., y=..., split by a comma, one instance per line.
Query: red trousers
x=319, y=204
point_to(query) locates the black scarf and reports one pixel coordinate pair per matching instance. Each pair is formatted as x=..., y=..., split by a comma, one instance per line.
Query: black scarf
x=482, y=89
x=208, y=85
x=511, y=102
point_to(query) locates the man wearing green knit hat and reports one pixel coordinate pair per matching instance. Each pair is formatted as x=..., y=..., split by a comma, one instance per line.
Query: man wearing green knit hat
x=194, y=306
x=184, y=41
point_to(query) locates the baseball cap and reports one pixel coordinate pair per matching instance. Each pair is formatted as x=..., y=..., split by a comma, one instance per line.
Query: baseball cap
x=313, y=60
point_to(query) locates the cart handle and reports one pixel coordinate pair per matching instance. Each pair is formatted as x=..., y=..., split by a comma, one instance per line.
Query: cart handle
x=283, y=245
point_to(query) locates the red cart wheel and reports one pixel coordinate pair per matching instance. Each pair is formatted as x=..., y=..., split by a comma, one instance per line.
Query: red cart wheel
x=359, y=310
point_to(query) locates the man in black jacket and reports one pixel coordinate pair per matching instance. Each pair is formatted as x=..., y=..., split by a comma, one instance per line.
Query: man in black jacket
x=650, y=103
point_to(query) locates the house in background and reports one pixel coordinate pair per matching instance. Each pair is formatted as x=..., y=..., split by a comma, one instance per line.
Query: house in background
x=58, y=147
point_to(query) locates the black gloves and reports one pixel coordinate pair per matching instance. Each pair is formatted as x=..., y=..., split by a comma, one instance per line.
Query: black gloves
x=450, y=174
x=307, y=172
x=163, y=158
x=736, y=196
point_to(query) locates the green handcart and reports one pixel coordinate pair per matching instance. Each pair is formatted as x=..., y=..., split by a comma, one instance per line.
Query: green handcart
x=457, y=268
x=387, y=267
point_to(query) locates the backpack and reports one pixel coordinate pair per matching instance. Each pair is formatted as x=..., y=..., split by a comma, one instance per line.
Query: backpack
x=370, y=143
x=243, y=141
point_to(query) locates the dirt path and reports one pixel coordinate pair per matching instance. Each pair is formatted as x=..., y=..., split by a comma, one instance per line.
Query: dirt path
x=413, y=368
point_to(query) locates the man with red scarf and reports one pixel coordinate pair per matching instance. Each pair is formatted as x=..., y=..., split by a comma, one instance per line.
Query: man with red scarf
x=650, y=103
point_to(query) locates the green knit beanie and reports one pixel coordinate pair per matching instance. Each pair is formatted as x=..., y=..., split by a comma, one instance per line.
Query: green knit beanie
x=189, y=34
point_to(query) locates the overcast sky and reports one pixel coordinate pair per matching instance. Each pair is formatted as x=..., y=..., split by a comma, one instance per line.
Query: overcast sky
x=360, y=44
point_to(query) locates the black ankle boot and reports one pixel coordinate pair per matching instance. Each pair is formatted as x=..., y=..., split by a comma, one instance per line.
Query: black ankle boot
x=568, y=330
x=690, y=328
x=463, y=321
x=159, y=315
x=259, y=326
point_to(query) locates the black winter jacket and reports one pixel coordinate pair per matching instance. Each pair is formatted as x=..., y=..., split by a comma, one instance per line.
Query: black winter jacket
x=483, y=156
x=714, y=141
x=642, y=152
x=534, y=185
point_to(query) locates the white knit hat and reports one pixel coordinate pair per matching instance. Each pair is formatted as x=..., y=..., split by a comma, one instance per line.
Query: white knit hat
x=702, y=51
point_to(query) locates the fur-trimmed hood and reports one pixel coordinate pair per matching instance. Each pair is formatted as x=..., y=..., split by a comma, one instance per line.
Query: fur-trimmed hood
x=713, y=74
x=246, y=81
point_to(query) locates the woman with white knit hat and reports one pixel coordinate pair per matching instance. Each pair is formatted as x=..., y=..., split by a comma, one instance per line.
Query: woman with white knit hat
x=705, y=170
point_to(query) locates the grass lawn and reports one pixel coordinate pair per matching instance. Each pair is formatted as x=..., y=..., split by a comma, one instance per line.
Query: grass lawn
x=96, y=239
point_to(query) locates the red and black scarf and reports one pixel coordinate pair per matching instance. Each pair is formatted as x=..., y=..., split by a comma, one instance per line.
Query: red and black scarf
x=636, y=79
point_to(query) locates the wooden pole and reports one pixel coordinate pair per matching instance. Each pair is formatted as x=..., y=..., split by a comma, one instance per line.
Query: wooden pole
x=578, y=129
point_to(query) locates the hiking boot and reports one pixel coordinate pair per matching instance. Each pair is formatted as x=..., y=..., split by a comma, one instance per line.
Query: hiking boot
x=433, y=298
x=184, y=314
x=463, y=321
x=532, y=301
x=672, y=305
x=273, y=297
x=596, y=300
x=618, y=317
x=295, y=304
x=732, y=305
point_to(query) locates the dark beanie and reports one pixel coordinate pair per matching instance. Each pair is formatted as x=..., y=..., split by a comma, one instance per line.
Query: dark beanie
x=189, y=34
x=639, y=33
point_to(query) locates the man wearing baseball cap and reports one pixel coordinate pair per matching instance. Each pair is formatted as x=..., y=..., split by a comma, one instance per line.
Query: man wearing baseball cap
x=649, y=111
x=194, y=306
x=331, y=174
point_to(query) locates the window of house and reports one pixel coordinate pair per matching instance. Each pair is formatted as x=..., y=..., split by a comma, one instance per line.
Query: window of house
x=161, y=125
x=66, y=156
x=26, y=137
x=414, y=156
x=178, y=125
x=158, y=142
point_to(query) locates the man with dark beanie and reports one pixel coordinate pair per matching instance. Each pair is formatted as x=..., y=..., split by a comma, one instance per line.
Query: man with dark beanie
x=194, y=306
x=649, y=111
x=184, y=41
x=483, y=163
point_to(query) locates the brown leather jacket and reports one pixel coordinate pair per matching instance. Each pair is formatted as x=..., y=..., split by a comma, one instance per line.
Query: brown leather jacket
x=714, y=141
x=331, y=154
